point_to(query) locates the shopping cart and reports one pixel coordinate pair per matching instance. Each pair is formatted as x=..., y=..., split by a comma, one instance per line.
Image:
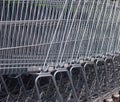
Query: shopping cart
x=59, y=50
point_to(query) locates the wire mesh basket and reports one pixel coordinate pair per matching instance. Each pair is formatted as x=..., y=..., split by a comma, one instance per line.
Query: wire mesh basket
x=58, y=50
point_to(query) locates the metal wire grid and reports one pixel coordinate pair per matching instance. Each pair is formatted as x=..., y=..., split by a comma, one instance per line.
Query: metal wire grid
x=36, y=34
x=48, y=31
x=90, y=82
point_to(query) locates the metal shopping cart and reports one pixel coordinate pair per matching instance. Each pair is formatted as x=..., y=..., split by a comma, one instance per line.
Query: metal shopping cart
x=59, y=50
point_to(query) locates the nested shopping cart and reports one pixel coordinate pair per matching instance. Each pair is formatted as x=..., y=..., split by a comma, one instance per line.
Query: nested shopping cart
x=59, y=50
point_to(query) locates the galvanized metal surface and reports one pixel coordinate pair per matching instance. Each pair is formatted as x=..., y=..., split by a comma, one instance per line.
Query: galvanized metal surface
x=42, y=44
